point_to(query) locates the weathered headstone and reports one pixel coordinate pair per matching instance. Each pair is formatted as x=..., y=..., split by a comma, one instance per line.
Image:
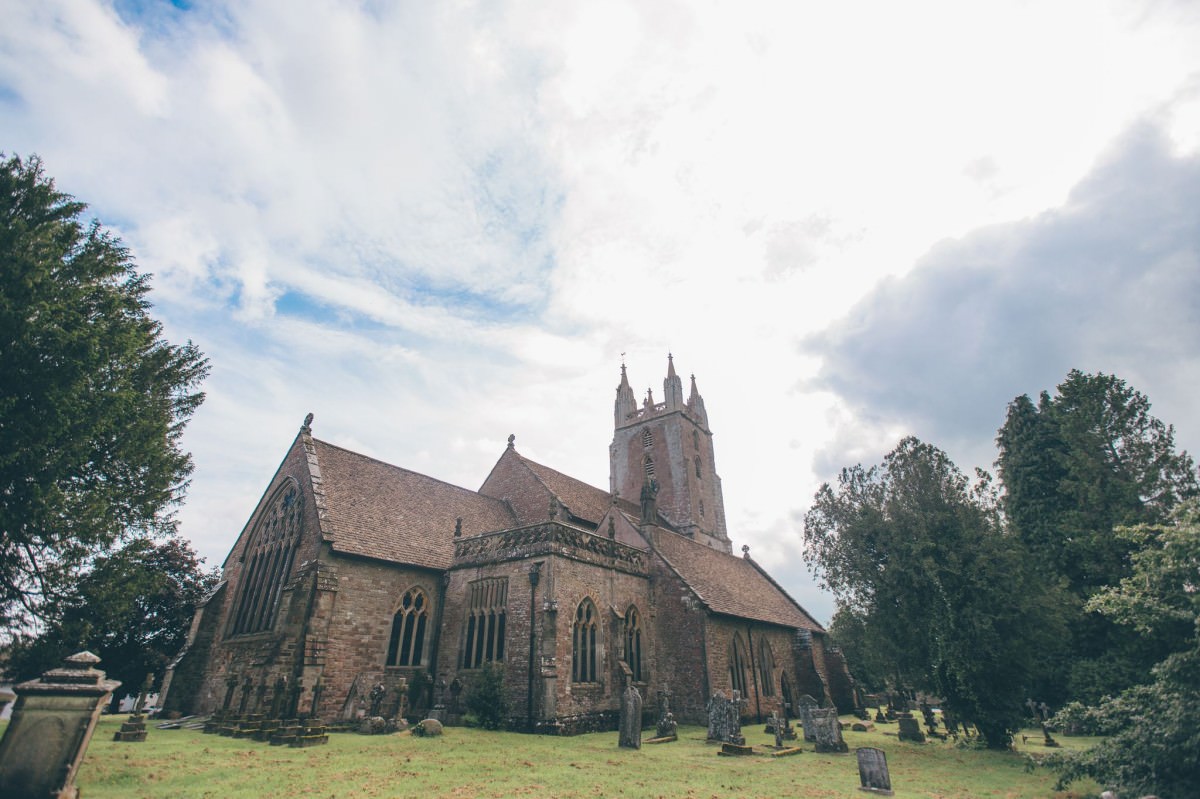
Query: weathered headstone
x=734, y=709
x=873, y=771
x=718, y=718
x=828, y=731
x=667, y=729
x=910, y=728
x=51, y=725
x=631, y=719
x=806, y=705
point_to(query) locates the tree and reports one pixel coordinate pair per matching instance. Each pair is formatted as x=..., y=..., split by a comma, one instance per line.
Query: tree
x=93, y=399
x=133, y=609
x=487, y=700
x=1075, y=467
x=1153, y=732
x=922, y=570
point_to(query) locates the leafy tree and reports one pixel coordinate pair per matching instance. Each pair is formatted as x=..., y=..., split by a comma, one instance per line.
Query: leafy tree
x=941, y=597
x=488, y=699
x=93, y=399
x=133, y=609
x=1153, y=743
x=1074, y=468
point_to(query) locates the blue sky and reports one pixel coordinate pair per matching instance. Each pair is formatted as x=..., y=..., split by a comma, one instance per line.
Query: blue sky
x=433, y=225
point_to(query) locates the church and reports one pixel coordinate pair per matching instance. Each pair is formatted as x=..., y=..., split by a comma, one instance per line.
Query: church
x=352, y=574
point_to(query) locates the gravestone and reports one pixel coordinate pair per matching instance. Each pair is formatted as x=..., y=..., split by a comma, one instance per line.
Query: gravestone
x=134, y=728
x=828, y=731
x=873, y=771
x=717, y=717
x=910, y=728
x=50, y=728
x=631, y=719
x=667, y=729
x=734, y=709
x=806, y=705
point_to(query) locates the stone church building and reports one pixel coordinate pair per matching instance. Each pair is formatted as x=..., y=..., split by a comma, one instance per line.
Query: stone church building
x=352, y=573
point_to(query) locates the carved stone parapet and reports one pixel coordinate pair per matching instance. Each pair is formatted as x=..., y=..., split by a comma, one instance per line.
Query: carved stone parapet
x=550, y=538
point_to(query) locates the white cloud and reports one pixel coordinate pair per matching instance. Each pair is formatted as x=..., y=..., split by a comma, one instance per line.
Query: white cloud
x=435, y=224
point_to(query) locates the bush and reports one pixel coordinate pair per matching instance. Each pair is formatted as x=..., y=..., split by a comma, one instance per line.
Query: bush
x=488, y=699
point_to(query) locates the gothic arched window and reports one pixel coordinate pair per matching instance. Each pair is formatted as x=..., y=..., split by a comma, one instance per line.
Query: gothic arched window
x=267, y=560
x=648, y=467
x=633, y=643
x=647, y=438
x=697, y=466
x=406, y=646
x=737, y=664
x=766, y=668
x=583, y=643
x=696, y=440
x=485, y=622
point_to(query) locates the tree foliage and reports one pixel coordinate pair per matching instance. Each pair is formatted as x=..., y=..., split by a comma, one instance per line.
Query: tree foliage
x=1153, y=743
x=1075, y=467
x=133, y=609
x=93, y=399
x=487, y=700
x=925, y=576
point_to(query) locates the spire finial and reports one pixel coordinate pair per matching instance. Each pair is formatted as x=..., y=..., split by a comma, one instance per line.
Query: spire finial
x=670, y=365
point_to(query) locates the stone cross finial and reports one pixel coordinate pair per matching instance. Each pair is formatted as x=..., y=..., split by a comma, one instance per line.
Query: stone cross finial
x=745, y=550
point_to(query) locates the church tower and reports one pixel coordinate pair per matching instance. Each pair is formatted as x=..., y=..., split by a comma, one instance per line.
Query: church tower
x=670, y=444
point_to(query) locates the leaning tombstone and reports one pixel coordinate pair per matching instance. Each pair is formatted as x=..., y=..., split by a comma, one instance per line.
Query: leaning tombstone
x=51, y=725
x=718, y=718
x=807, y=705
x=828, y=731
x=873, y=771
x=631, y=719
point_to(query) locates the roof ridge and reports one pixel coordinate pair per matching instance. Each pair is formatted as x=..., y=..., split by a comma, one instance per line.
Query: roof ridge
x=528, y=461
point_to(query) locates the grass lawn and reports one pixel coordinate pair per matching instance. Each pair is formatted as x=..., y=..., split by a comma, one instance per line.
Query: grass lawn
x=476, y=763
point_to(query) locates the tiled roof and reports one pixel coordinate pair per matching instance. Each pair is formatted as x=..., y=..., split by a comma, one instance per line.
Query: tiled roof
x=382, y=511
x=731, y=585
x=584, y=501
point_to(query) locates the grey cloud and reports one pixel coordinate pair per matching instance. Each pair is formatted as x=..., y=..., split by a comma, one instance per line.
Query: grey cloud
x=1108, y=282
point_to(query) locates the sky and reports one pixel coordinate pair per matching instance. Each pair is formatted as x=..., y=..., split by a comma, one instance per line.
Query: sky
x=436, y=224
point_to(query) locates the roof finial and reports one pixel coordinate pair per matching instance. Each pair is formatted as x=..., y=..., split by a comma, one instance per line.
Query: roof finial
x=745, y=550
x=307, y=426
x=512, y=437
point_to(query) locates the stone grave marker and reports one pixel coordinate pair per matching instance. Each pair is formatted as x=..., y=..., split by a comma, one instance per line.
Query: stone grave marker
x=631, y=718
x=51, y=725
x=873, y=771
x=806, y=705
x=828, y=731
x=910, y=728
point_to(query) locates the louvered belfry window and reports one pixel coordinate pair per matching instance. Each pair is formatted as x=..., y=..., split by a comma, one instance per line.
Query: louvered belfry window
x=406, y=646
x=485, y=622
x=268, y=561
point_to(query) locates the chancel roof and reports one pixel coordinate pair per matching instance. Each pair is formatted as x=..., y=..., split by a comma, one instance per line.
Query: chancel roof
x=731, y=585
x=381, y=511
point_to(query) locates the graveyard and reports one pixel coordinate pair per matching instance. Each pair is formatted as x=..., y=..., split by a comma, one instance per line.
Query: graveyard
x=471, y=762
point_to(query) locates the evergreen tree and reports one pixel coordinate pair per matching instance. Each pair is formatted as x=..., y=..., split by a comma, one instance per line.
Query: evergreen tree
x=1074, y=468
x=93, y=399
x=943, y=599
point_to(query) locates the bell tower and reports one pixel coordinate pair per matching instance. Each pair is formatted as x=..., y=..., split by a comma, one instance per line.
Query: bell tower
x=670, y=444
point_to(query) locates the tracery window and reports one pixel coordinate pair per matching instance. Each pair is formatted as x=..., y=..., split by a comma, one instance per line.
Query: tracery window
x=633, y=643
x=583, y=643
x=647, y=438
x=648, y=467
x=406, y=646
x=268, y=561
x=766, y=668
x=485, y=622
x=737, y=664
